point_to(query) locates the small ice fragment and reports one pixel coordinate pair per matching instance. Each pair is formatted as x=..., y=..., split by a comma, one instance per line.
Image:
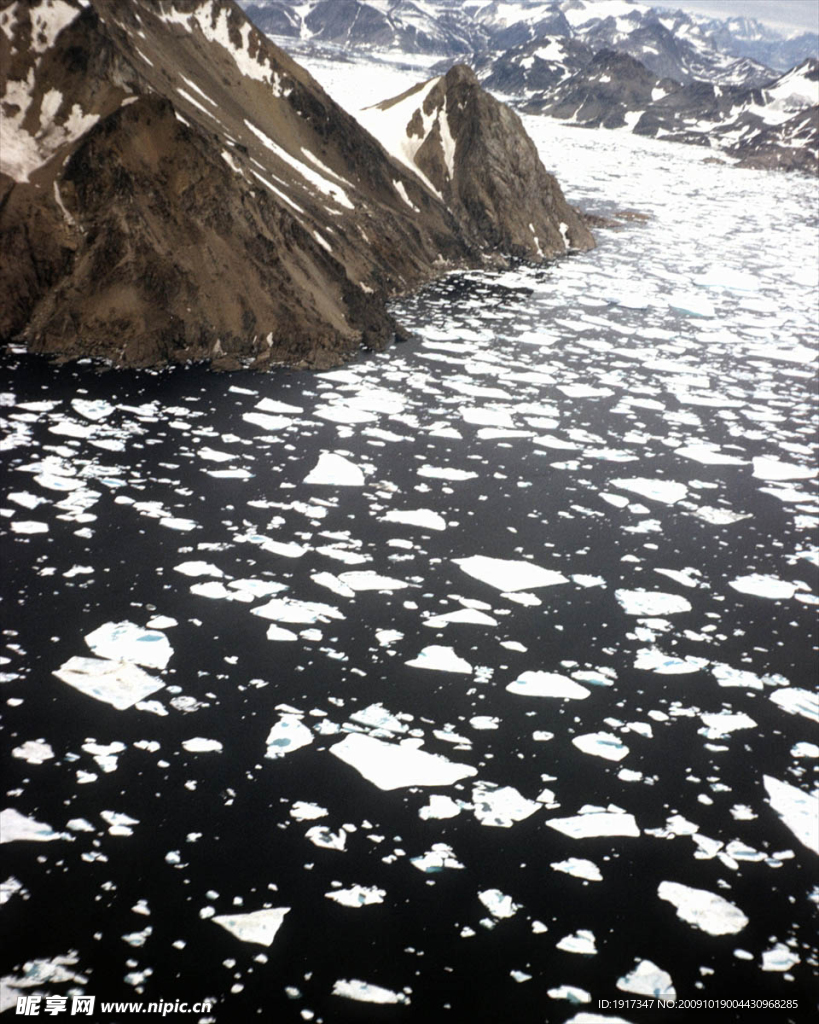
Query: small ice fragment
x=498, y=904
x=508, y=574
x=199, y=745
x=424, y=518
x=287, y=735
x=501, y=807
x=357, y=896
x=364, y=992
x=440, y=659
x=582, y=941
x=439, y=857
x=547, y=684
x=333, y=470
x=125, y=641
x=259, y=926
x=647, y=979
x=651, y=603
x=702, y=909
x=579, y=868
x=115, y=682
x=797, y=809
x=393, y=766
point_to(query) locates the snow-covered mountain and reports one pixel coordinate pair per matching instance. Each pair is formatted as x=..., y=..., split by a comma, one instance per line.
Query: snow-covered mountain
x=770, y=126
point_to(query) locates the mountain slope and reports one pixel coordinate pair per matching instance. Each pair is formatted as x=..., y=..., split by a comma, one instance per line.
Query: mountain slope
x=474, y=153
x=173, y=186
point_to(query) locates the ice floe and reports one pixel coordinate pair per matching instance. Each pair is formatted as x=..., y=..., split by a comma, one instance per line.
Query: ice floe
x=117, y=683
x=509, y=575
x=703, y=909
x=357, y=896
x=424, y=518
x=593, y=822
x=365, y=992
x=440, y=659
x=797, y=809
x=759, y=585
x=501, y=806
x=651, y=602
x=498, y=904
x=578, y=868
x=125, y=641
x=582, y=941
x=647, y=979
x=334, y=470
x=601, y=744
x=259, y=926
x=394, y=766
x=438, y=858
x=547, y=684
x=287, y=735
x=16, y=827
x=797, y=701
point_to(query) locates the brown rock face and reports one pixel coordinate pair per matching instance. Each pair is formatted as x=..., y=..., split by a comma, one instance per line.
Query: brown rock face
x=173, y=187
x=476, y=154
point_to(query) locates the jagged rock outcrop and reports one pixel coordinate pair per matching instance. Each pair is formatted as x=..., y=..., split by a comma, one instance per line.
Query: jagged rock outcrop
x=174, y=187
x=475, y=154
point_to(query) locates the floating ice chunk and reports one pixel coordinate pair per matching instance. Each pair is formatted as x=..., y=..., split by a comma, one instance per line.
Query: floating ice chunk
x=667, y=491
x=218, y=592
x=481, y=722
x=651, y=603
x=702, y=909
x=691, y=304
x=92, y=410
x=368, y=580
x=15, y=827
x=601, y=744
x=265, y=421
x=198, y=569
x=498, y=904
x=302, y=811
x=376, y=716
x=322, y=836
x=287, y=735
x=8, y=889
x=471, y=616
x=582, y=941
x=393, y=766
x=596, y=823
x=364, y=992
x=343, y=413
x=115, y=682
x=779, y=958
x=798, y=810
x=424, y=518
x=649, y=659
x=584, y=580
x=259, y=926
x=725, y=675
x=579, y=868
x=200, y=745
x=357, y=896
x=125, y=641
x=445, y=473
x=547, y=684
x=287, y=609
x=575, y=996
x=269, y=405
x=440, y=807
x=28, y=526
x=119, y=824
x=720, y=516
x=687, y=577
x=440, y=659
x=34, y=751
x=507, y=574
x=725, y=723
x=647, y=979
x=708, y=456
x=797, y=702
x=584, y=391
x=774, y=469
x=804, y=749
x=501, y=807
x=759, y=585
x=278, y=633
x=333, y=470
x=439, y=857
x=728, y=279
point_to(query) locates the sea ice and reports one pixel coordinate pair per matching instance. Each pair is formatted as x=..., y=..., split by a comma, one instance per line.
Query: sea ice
x=601, y=744
x=368, y=580
x=667, y=491
x=647, y=979
x=702, y=909
x=502, y=806
x=34, y=751
x=118, y=683
x=259, y=926
x=596, y=823
x=779, y=958
x=125, y=641
x=469, y=616
x=797, y=809
x=579, y=868
x=582, y=941
x=200, y=745
x=287, y=735
x=333, y=470
x=15, y=826
x=357, y=896
x=424, y=518
x=439, y=857
x=509, y=575
x=498, y=904
x=797, y=702
x=393, y=766
x=364, y=992
x=723, y=724
x=774, y=469
x=764, y=586
x=440, y=659
x=547, y=684
x=651, y=603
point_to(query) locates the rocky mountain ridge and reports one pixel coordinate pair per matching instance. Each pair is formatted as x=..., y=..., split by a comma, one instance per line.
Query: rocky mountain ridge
x=173, y=187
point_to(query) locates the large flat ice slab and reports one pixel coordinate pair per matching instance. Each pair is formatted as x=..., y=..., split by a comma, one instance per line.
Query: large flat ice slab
x=547, y=684
x=797, y=809
x=333, y=470
x=509, y=575
x=16, y=827
x=125, y=641
x=669, y=492
x=117, y=683
x=651, y=603
x=703, y=909
x=596, y=823
x=259, y=926
x=440, y=659
x=393, y=766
